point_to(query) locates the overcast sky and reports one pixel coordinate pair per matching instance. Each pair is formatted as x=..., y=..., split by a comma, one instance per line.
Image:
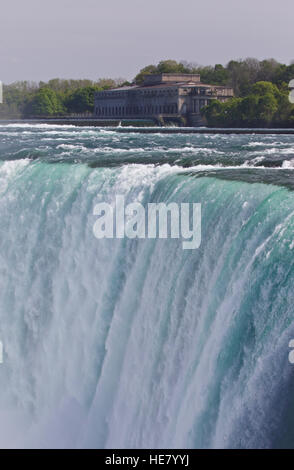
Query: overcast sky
x=41, y=39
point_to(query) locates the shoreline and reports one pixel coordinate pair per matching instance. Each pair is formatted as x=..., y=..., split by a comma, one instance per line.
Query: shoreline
x=144, y=127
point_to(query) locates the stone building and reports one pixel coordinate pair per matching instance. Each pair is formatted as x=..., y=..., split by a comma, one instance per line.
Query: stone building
x=166, y=97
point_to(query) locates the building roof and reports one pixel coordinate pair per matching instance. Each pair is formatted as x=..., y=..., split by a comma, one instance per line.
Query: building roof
x=167, y=80
x=159, y=78
x=168, y=85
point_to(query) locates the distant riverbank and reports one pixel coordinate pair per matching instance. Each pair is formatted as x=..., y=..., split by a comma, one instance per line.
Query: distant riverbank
x=147, y=126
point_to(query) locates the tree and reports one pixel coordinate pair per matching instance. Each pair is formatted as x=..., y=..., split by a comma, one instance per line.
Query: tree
x=165, y=66
x=45, y=103
x=269, y=70
x=170, y=66
x=82, y=100
x=145, y=71
x=264, y=106
x=213, y=113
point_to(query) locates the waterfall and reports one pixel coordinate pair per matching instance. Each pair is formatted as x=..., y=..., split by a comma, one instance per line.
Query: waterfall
x=127, y=343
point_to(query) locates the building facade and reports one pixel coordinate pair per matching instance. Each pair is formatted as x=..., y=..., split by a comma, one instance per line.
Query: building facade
x=168, y=97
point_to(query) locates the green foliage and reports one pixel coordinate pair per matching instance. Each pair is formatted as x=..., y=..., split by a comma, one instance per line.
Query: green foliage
x=57, y=97
x=266, y=105
x=44, y=103
x=82, y=100
x=170, y=66
x=145, y=71
x=16, y=97
x=165, y=66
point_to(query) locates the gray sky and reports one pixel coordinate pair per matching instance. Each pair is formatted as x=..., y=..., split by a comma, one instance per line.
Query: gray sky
x=41, y=39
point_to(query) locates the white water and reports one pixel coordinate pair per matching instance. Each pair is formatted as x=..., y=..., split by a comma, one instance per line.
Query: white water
x=127, y=343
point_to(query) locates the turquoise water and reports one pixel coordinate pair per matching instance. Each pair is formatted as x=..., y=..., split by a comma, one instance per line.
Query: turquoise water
x=139, y=343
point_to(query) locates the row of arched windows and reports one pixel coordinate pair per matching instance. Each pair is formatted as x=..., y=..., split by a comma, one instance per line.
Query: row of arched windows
x=136, y=110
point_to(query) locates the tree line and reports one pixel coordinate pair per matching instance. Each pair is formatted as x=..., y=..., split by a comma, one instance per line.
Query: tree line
x=55, y=98
x=260, y=87
x=266, y=105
